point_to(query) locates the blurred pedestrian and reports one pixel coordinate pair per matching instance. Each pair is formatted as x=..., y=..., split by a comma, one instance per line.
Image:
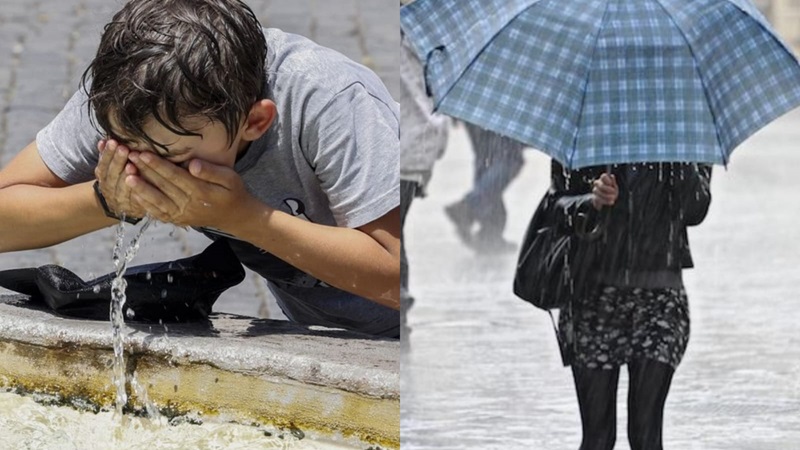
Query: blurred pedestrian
x=498, y=160
x=422, y=141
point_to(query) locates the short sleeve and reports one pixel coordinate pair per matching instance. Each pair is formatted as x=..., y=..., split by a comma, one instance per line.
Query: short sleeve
x=353, y=144
x=68, y=144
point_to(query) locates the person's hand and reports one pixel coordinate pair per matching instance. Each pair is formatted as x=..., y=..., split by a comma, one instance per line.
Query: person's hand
x=111, y=171
x=202, y=195
x=604, y=191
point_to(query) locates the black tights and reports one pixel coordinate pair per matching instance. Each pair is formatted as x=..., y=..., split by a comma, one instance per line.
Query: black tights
x=597, y=399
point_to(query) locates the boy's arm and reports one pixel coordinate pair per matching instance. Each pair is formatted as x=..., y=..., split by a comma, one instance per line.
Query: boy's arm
x=364, y=261
x=38, y=209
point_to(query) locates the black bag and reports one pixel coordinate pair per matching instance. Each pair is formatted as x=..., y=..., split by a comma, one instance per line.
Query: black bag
x=175, y=291
x=548, y=274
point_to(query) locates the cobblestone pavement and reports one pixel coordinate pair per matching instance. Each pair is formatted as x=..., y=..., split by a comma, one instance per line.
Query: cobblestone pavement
x=46, y=45
x=482, y=369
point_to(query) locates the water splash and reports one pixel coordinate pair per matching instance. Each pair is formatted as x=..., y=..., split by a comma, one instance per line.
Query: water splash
x=141, y=393
x=44, y=423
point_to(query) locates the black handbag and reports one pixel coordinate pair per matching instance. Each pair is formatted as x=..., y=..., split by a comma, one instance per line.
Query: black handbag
x=554, y=262
x=175, y=291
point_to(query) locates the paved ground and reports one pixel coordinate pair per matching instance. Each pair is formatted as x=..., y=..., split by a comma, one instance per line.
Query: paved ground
x=482, y=370
x=44, y=47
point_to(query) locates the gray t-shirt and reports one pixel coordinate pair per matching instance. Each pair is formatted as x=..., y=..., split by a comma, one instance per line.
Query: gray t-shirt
x=331, y=156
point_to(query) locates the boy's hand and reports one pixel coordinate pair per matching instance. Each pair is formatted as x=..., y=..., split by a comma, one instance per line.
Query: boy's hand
x=604, y=191
x=111, y=171
x=205, y=195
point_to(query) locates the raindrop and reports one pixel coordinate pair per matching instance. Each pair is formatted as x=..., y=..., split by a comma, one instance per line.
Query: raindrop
x=96, y=289
x=163, y=293
x=148, y=275
x=129, y=313
x=672, y=174
x=169, y=278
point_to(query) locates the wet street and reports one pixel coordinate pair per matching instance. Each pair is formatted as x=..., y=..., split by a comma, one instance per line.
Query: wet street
x=482, y=369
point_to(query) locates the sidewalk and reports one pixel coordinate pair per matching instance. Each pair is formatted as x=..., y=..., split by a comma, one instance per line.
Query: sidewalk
x=44, y=49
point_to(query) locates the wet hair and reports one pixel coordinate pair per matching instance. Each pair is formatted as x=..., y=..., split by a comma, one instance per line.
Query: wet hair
x=175, y=59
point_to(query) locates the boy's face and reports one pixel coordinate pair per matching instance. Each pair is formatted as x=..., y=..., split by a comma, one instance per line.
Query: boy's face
x=212, y=146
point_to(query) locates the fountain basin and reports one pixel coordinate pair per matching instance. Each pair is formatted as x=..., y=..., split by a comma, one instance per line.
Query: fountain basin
x=332, y=384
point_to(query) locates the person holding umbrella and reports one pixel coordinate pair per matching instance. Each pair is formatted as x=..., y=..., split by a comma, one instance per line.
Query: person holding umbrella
x=635, y=310
x=656, y=89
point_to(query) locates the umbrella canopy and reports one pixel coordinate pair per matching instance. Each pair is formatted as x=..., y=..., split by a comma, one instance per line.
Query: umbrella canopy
x=593, y=82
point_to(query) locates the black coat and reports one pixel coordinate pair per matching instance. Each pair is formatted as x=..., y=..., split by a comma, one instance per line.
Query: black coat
x=645, y=242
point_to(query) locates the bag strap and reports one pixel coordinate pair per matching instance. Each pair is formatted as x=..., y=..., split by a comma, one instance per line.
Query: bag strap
x=555, y=327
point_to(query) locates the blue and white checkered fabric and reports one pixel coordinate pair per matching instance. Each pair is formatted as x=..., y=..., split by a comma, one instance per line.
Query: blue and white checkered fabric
x=594, y=82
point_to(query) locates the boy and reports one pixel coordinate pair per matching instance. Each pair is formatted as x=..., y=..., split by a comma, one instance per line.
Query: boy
x=284, y=148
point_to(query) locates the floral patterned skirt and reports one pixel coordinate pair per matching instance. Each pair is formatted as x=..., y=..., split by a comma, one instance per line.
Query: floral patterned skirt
x=618, y=325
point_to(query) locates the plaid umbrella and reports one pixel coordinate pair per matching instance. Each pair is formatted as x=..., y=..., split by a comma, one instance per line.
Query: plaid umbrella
x=593, y=82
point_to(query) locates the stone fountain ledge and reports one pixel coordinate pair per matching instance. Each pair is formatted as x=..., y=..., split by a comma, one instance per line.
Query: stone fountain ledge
x=328, y=383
